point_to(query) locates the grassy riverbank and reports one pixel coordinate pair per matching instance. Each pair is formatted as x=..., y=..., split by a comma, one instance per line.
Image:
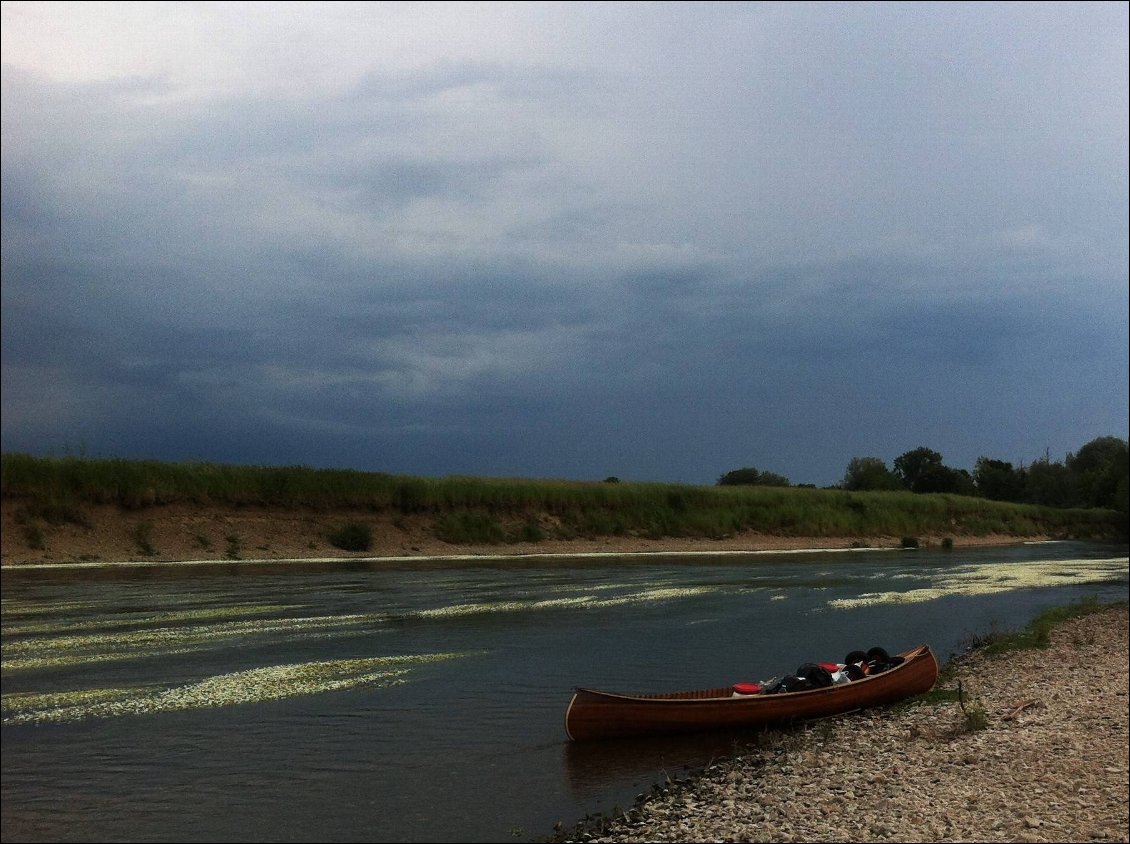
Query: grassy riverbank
x=164, y=510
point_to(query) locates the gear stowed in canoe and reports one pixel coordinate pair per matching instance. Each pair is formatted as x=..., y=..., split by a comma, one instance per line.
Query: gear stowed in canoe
x=815, y=691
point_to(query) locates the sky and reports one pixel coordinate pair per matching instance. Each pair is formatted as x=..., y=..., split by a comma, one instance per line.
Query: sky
x=652, y=241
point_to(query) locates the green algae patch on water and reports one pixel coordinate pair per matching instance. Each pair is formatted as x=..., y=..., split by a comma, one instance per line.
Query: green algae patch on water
x=581, y=601
x=61, y=651
x=22, y=702
x=993, y=578
x=256, y=685
x=147, y=618
x=655, y=595
x=19, y=608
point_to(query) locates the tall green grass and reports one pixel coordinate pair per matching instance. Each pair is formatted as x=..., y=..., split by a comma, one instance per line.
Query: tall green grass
x=57, y=489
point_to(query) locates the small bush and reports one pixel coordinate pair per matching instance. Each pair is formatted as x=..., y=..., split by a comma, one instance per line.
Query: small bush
x=143, y=538
x=54, y=512
x=35, y=539
x=947, y=543
x=411, y=496
x=465, y=528
x=974, y=717
x=235, y=546
x=352, y=536
x=910, y=542
x=530, y=532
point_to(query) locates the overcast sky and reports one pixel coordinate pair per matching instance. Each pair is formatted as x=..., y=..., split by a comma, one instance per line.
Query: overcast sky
x=656, y=241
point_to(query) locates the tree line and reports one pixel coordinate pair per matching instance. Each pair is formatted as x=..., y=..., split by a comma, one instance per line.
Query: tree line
x=1097, y=475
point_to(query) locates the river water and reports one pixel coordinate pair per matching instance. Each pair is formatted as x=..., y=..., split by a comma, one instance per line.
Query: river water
x=365, y=701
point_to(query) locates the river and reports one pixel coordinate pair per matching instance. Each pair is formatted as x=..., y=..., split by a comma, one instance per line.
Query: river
x=424, y=701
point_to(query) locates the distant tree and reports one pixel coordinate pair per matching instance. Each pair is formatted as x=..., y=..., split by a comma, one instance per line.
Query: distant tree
x=1051, y=484
x=739, y=477
x=922, y=470
x=612, y=479
x=1099, y=467
x=752, y=477
x=869, y=473
x=960, y=482
x=915, y=467
x=773, y=479
x=999, y=481
x=1098, y=454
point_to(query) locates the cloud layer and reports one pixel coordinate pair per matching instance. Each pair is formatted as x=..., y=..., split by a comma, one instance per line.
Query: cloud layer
x=658, y=242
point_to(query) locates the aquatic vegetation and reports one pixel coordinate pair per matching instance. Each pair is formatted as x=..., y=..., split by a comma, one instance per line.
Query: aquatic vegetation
x=999, y=577
x=499, y=606
x=22, y=702
x=255, y=685
x=585, y=601
x=12, y=608
x=660, y=594
x=59, y=651
x=135, y=619
x=70, y=660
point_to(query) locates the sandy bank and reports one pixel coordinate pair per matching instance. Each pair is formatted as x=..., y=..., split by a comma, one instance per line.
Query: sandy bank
x=190, y=532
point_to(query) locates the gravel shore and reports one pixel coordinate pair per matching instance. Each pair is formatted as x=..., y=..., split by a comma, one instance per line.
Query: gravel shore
x=1051, y=764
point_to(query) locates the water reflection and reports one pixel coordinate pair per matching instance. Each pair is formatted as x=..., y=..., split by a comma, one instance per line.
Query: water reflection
x=595, y=768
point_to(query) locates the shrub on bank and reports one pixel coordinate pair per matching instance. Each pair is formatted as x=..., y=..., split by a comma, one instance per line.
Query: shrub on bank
x=352, y=536
x=469, y=529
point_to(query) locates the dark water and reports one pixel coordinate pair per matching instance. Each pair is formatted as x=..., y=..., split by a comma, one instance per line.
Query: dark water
x=358, y=702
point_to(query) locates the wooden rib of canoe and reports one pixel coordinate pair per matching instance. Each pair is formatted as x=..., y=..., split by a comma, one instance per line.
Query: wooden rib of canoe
x=600, y=715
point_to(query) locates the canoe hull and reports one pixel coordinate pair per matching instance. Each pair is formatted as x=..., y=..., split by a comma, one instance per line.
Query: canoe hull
x=594, y=714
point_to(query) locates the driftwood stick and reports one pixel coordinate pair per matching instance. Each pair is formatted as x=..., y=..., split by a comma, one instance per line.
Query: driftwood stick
x=1015, y=713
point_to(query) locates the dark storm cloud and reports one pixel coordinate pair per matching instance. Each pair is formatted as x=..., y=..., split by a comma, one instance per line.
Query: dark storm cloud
x=659, y=248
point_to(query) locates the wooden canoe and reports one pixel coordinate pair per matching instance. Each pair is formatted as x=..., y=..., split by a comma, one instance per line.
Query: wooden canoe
x=600, y=715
